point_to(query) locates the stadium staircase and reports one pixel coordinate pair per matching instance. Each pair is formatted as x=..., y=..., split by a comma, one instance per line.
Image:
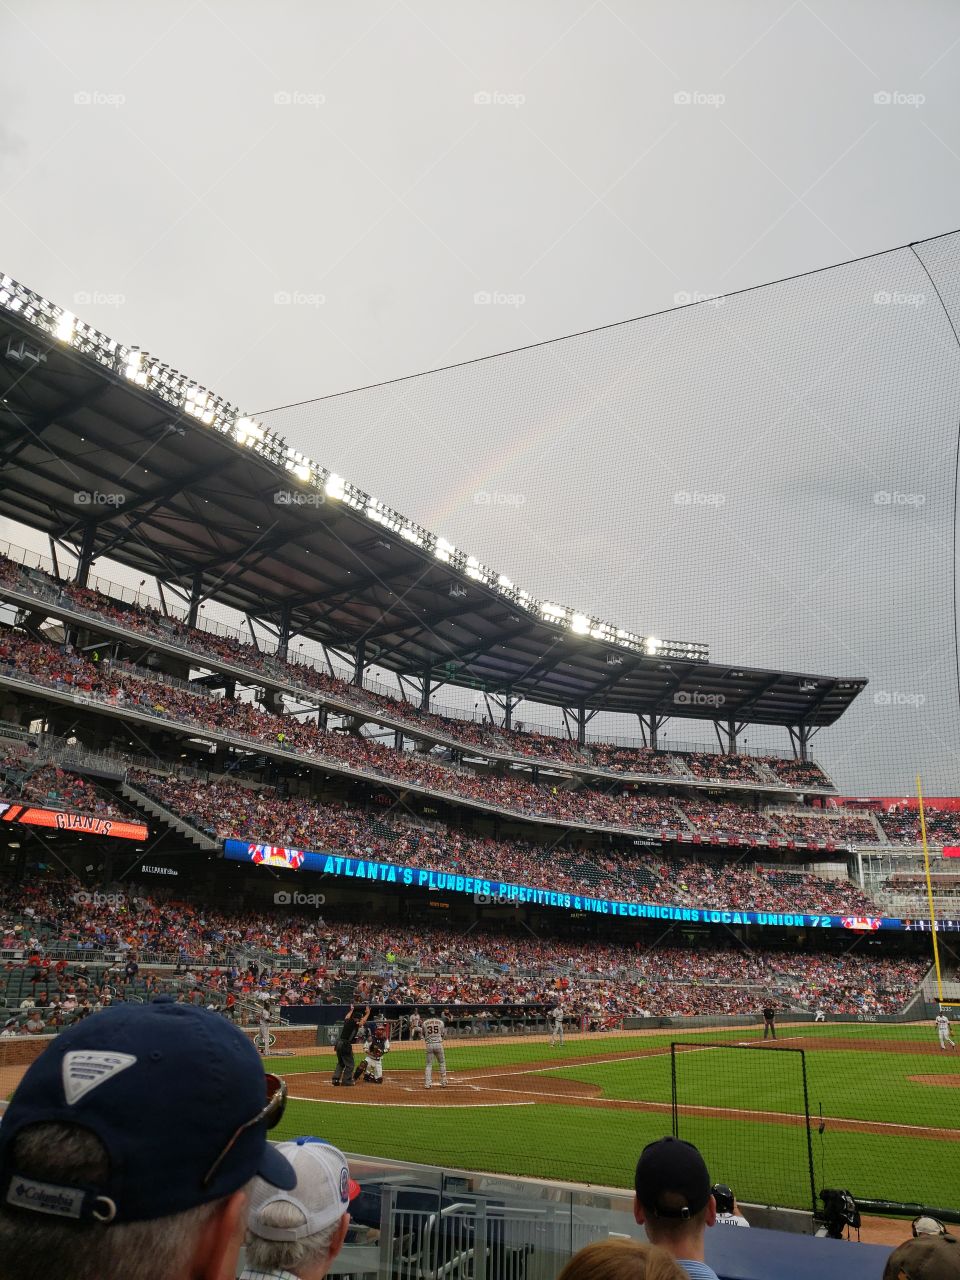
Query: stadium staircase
x=579, y=867
x=863, y=815
x=766, y=774
x=645, y=880
x=147, y=804
x=875, y=822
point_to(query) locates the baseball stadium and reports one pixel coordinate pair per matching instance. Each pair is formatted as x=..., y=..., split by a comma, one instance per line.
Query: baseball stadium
x=537, y=887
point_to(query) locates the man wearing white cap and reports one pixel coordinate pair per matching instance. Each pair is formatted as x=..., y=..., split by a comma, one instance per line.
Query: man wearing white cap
x=295, y=1235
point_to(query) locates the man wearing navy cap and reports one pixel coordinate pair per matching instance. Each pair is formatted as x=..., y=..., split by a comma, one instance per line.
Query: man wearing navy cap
x=127, y=1149
x=674, y=1203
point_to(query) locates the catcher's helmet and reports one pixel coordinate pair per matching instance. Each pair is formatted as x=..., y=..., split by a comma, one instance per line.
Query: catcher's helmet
x=724, y=1197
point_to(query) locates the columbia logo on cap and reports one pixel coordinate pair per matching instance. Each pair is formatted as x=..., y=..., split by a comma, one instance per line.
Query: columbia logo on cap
x=44, y=1197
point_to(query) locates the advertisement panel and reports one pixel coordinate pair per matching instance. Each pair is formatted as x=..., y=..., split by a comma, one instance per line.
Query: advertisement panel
x=68, y=820
x=503, y=892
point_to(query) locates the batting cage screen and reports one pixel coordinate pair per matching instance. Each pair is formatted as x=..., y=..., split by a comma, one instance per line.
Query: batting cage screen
x=748, y=1111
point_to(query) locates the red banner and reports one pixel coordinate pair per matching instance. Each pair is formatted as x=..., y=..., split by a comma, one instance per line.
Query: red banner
x=66, y=820
x=951, y=851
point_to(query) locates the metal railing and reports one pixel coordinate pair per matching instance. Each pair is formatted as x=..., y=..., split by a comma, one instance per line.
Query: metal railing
x=473, y=1239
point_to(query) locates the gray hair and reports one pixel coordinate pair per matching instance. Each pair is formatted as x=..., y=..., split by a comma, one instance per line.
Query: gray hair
x=287, y=1255
x=36, y=1246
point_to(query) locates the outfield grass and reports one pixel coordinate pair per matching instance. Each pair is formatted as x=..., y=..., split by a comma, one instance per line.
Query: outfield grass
x=848, y=1084
x=767, y=1162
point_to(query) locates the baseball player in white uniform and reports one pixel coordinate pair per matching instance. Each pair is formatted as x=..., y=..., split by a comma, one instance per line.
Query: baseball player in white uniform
x=943, y=1031
x=416, y=1025
x=555, y=1018
x=376, y=1045
x=433, y=1040
x=263, y=1036
x=819, y=1016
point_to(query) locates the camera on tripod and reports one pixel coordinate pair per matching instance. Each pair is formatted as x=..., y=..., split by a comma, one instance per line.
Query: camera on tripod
x=839, y=1214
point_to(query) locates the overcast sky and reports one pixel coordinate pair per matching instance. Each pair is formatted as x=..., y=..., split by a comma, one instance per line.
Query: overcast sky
x=294, y=201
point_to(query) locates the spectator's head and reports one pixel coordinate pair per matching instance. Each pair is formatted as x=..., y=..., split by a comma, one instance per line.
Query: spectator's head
x=925, y=1258
x=301, y=1230
x=127, y=1148
x=622, y=1260
x=927, y=1226
x=673, y=1198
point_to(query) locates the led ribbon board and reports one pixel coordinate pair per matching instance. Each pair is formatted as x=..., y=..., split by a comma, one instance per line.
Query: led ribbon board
x=501, y=891
x=68, y=820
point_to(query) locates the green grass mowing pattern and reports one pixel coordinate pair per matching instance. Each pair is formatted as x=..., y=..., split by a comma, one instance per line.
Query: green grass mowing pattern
x=854, y=1085
x=579, y=1144
x=573, y=1144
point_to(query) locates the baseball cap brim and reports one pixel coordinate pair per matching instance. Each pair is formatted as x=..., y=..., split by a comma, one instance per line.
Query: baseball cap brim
x=277, y=1169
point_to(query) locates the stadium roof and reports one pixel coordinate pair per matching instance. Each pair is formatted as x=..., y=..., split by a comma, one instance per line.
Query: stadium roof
x=105, y=448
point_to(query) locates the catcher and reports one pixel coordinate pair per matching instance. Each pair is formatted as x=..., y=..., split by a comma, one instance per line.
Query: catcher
x=377, y=1044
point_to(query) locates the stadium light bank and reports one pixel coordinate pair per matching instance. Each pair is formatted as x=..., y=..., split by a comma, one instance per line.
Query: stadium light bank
x=218, y=414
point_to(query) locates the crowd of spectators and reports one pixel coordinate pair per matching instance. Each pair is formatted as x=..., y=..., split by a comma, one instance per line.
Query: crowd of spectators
x=24, y=775
x=829, y=825
x=902, y=826
x=708, y=766
x=474, y=734
x=391, y=964
x=628, y=809
x=797, y=773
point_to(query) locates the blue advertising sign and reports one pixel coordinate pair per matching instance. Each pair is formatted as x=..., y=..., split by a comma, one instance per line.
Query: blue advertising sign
x=336, y=864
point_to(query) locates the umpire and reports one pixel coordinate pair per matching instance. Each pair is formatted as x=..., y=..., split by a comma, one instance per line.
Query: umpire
x=343, y=1072
x=769, y=1020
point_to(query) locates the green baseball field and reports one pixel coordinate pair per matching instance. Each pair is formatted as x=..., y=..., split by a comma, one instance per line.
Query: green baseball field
x=883, y=1106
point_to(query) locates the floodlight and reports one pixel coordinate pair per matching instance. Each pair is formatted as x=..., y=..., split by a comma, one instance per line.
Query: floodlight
x=652, y=645
x=335, y=487
x=444, y=550
x=133, y=366
x=580, y=624
x=474, y=569
x=66, y=326
x=246, y=431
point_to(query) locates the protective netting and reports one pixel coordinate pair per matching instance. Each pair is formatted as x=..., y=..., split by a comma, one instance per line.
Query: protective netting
x=749, y=1114
x=772, y=473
